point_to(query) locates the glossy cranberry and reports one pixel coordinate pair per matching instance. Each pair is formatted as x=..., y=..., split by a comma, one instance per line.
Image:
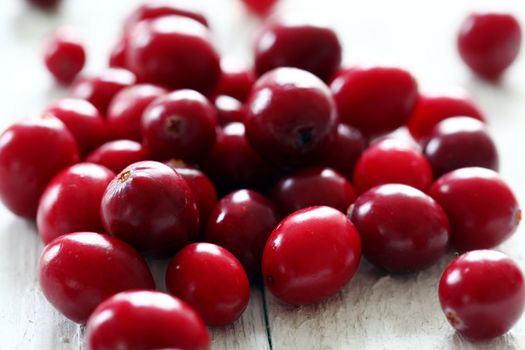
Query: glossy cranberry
x=482, y=209
x=291, y=116
x=80, y=270
x=174, y=51
x=489, y=42
x=482, y=294
x=260, y=7
x=100, y=89
x=229, y=110
x=32, y=152
x=311, y=255
x=242, y=222
x=151, y=207
x=236, y=80
x=375, y=100
x=431, y=110
x=48, y=5
x=211, y=280
x=143, y=320
x=65, y=55
x=401, y=228
x=346, y=150
x=307, y=46
x=83, y=120
x=392, y=161
x=126, y=109
x=460, y=142
x=71, y=201
x=117, y=57
x=118, y=154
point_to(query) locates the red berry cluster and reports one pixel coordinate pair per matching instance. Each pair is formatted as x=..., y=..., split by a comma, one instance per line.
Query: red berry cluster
x=135, y=159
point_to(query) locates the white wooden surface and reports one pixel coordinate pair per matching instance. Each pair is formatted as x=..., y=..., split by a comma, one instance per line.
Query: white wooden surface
x=374, y=311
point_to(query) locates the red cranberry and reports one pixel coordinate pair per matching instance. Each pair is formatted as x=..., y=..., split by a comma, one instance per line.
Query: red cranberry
x=180, y=125
x=32, y=152
x=117, y=57
x=260, y=7
x=296, y=266
x=431, y=110
x=482, y=209
x=346, y=150
x=242, y=222
x=313, y=186
x=211, y=280
x=151, y=207
x=291, y=116
x=71, y=201
x=375, y=100
x=236, y=80
x=401, y=228
x=229, y=110
x=392, y=161
x=146, y=320
x=47, y=5
x=460, y=142
x=80, y=270
x=83, y=120
x=126, y=109
x=174, y=51
x=313, y=48
x=65, y=55
x=100, y=89
x=118, y=154
x=482, y=294
x=489, y=43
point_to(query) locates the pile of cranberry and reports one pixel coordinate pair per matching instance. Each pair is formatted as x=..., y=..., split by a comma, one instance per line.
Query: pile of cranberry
x=134, y=161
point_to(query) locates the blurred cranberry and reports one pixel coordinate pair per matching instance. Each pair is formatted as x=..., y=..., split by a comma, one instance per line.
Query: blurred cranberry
x=118, y=154
x=117, y=57
x=260, y=7
x=47, y=5
x=229, y=110
x=65, y=55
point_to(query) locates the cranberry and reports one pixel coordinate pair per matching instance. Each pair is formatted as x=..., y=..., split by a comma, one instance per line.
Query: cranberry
x=100, y=89
x=313, y=186
x=71, y=201
x=489, y=43
x=47, y=5
x=236, y=80
x=32, y=152
x=80, y=270
x=174, y=51
x=126, y=109
x=151, y=207
x=311, y=255
x=313, y=48
x=211, y=280
x=375, y=100
x=65, y=55
x=146, y=320
x=242, y=222
x=431, y=110
x=482, y=209
x=482, y=294
x=346, y=150
x=291, y=116
x=117, y=57
x=260, y=7
x=118, y=154
x=180, y=125
x=229, y=110
x=460, y=142
x=83, y=120
x=392, y=161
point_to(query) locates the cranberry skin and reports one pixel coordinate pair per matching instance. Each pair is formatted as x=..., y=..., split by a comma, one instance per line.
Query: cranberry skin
x=80, y=270
x=482, y=209
x=100, y=89
x=64, y=56
x=489, y=43
x=126, y=109
x=401, y=228
x=118, y=154
x=295, y=264
x=143, y=320
x=241, y=222
x=117, y=57
x=392, y=161
x=71, y=201
x=174, y=51
x=151, y=207
x=259, y=7
x=460, y=142
x=26, y=164
x=291, y=116
x=229, y=110
x=431, y=110
x=211, y=280
x=83, y=120
x=375, y=100
x=482, y=294
x=236, y=80
x=346, y=150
